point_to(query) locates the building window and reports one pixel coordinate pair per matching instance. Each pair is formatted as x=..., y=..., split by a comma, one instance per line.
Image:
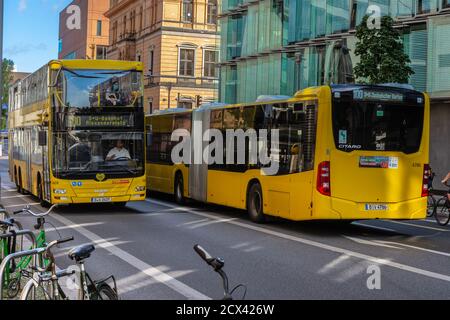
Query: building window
x=99, y=28
x=133, y=21
x=151, y=61
x=210, y=63
x=141, y=20
x=445, y=4
x=70, y=56
x=187, y=11
x=185, y=104
x=425, y=6
x=186, y=62
x=124, y=25
x=101, y=53
x=114, y=32
x=212, y=12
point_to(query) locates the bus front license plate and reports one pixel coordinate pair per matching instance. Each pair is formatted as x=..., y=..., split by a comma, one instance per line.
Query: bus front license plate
x=101, y=200
x=376, y=207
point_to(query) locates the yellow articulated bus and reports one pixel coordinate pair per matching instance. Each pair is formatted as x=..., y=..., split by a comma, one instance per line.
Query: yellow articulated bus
x=76, y=132
x=345, y=152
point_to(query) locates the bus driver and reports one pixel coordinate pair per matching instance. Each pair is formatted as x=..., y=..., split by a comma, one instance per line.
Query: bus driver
x=118, y=152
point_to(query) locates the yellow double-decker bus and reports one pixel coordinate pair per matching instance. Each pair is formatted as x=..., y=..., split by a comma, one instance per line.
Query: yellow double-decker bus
x=76, y=132
x=345, y=152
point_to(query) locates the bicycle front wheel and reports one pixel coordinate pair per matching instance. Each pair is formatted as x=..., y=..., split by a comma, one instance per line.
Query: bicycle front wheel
x=431, y=206
x=442, y=213
x=33, y=291
x=105, y=292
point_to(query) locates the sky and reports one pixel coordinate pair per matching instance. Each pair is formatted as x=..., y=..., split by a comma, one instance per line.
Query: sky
x=31, y=32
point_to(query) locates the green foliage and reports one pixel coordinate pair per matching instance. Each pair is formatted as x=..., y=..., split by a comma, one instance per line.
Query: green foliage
x=381, y=52
x=7, y=69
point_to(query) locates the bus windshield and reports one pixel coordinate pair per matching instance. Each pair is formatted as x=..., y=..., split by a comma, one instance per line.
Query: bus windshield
x=374, y=126
x=99, y=88
x=79, y=154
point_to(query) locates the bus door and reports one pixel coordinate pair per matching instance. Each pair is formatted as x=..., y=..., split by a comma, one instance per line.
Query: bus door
x=43, y=143
x=28, y=150
x=198, y=173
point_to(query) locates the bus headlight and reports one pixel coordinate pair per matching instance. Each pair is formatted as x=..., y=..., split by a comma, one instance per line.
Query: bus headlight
x=60, y=191
x=139, y=189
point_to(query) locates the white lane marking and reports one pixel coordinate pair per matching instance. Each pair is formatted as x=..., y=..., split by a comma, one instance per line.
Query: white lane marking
x=57, y=229
x=373, y=227
x=414, y=247
x=13, y=197
x=316, y=244
x=21, y=205
x=9, y=190
x=371, y=243
x=333, y=264
x=417, y=226
x=152, y=272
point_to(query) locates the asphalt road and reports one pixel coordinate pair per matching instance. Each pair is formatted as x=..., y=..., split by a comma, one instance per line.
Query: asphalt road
x=148, y=247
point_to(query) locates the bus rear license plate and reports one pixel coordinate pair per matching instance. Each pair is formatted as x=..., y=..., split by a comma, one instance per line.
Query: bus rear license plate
x=376, y=207
x=101, y=200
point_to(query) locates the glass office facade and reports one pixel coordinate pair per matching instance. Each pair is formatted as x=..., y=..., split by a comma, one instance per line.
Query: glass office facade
x=281, y=46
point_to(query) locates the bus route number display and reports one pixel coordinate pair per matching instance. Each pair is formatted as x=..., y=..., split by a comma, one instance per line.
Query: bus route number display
x=92, y=121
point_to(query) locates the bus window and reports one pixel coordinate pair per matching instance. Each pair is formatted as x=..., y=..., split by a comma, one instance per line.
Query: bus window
x=297, y=138
x=378, y=126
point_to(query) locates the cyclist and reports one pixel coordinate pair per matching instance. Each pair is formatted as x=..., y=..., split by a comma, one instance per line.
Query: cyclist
x=431, y=178
x=446, y=181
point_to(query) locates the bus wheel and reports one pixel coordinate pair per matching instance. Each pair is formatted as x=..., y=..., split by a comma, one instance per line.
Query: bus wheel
x=255, y=204
x=20, y=188
x=120, y=204
x=40, y=191
x=179, y=189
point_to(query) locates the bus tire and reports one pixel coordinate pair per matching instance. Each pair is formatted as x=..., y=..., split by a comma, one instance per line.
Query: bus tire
x=16, y=180
x=121, y=204
x=255, y=204
x=40, y=194
x=20, y=188
x=179, y=189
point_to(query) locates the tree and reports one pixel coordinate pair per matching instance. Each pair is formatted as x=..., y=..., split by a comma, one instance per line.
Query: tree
x=7, y=69
x=381, y=52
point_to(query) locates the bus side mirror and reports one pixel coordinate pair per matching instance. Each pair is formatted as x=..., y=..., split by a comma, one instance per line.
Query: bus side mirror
x=42, y=138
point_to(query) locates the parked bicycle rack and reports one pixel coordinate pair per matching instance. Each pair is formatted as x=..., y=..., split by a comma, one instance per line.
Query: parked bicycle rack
x=18, y=255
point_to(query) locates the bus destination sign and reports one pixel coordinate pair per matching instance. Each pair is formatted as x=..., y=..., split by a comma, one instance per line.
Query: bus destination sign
x=372, y=95
x=101, y=121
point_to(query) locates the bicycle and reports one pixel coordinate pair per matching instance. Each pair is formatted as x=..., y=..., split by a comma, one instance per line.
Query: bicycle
x=45, y=281
x=431, y=201
x=442, y=211
x=217, y=264
x=13, y=276
x=431, y=205
x=10, y=230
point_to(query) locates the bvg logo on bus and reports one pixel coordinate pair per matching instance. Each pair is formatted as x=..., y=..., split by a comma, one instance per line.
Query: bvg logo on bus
x=100, y=177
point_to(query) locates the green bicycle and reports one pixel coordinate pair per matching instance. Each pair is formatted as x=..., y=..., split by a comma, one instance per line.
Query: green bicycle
x=15, y=271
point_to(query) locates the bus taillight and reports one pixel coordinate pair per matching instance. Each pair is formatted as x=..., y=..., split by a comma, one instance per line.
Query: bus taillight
x=323, y=179
x=426, y=180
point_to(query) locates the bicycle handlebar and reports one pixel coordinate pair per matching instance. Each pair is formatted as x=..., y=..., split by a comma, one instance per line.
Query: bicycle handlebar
x=28, y=210
x=203, y=254
x=216, y=263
